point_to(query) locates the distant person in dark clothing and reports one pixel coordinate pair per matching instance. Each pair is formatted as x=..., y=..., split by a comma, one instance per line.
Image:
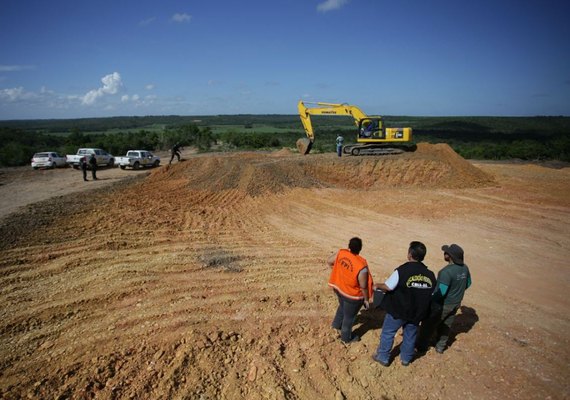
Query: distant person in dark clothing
x=93, y=164
x=175, y=151
x=83, y=164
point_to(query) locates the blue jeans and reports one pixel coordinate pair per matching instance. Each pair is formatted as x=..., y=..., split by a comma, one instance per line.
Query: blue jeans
x=389, y=329
x=339, y=150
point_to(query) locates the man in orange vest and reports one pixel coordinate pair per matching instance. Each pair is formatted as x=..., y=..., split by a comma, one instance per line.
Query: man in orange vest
x=352, y=283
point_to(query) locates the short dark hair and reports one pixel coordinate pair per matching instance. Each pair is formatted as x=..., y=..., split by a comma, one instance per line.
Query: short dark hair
x=355, y=245
x=417, y=250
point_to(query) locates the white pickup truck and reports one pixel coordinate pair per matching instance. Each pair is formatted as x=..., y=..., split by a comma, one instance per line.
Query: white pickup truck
x=137, y=159
x=103, y=158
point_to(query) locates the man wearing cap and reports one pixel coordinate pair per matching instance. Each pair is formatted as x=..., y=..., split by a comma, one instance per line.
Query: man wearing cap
x=452, y=281
x=339, y=142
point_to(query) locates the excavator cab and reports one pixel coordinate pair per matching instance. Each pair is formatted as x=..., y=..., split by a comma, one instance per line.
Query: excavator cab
x=371, y=128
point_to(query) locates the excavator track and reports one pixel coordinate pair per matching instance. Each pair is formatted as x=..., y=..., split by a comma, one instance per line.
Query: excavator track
x=376, y=150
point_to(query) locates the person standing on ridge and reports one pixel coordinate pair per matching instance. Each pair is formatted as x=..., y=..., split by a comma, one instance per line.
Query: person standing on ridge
x=408, y=293
x=175, y=151
x=339, y=143
x=452, y=282
x=352, y=284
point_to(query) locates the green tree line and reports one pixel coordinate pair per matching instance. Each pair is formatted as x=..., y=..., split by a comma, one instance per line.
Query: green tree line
x=18, y=146
x=529, y=138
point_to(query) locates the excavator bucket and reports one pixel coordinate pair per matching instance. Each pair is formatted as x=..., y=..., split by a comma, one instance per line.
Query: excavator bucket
x=304, y=146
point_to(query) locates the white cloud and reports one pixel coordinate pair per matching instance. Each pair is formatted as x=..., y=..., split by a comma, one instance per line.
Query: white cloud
x=15, y=68
x=150, y=86
x=329, y=5
x=215, y=82
x=45, y=90
x=134, y=98
x=11, y=94
x=111, y=85
x=181, y=17
x=18, y=102
x=16, y=94
x=146, y=22
x=137, y=100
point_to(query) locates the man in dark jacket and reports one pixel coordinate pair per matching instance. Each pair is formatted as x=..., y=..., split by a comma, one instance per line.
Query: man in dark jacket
x=93, y=164
x=83, y=164
x=407, y=299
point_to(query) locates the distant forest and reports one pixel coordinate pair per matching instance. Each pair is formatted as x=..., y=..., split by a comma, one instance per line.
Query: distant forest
x=495, y=138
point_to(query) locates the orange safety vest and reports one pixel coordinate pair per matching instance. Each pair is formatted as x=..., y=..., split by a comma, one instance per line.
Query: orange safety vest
x=344, y=275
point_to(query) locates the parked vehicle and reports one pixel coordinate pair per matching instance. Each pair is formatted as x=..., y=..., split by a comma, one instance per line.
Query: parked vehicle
x=103, y=158
x=48, y=159
x=138, y=159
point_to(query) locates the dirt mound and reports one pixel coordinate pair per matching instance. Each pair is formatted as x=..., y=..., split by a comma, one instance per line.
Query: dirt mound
x=434, y=166
x=256, y=174
x=282, y=153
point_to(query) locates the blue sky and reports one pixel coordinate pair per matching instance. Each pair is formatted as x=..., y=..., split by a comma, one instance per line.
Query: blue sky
x=79, y=58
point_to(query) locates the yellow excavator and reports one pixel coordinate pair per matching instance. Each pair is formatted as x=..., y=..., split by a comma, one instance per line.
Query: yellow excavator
x=372, y=138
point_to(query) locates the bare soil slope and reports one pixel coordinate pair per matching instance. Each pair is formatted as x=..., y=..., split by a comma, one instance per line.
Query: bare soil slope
x=207, y=279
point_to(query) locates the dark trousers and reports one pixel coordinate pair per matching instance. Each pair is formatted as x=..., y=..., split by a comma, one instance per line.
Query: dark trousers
x=84, y=173
x=345, y=316
x=439, y=323
x=94, y=172
x=175, y=154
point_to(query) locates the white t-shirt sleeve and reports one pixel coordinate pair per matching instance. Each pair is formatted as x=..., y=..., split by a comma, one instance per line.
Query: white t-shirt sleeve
x=393, y=280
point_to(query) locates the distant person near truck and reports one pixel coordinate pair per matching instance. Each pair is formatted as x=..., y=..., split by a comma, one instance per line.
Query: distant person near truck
x=93, y=164
x=83, y=164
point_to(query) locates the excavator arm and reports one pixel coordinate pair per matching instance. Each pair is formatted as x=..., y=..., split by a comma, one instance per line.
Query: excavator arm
x=305, y=145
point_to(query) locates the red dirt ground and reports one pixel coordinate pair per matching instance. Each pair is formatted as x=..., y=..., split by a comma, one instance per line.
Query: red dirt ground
x=207, y=279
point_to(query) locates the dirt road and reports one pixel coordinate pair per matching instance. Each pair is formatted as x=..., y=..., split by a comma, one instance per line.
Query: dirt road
x=21, y=186
x=208, y=280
